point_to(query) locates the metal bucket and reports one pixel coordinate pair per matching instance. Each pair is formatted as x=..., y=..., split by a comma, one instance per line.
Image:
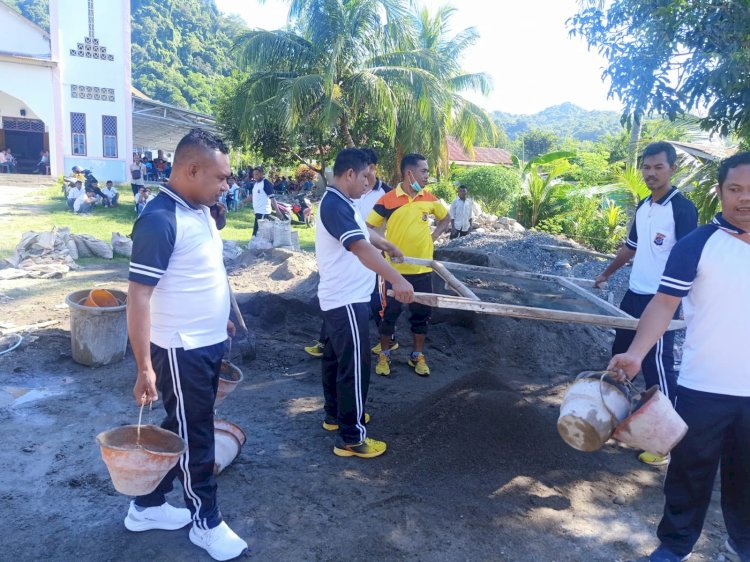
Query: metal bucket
x=98, y=334
x=653, y=426
x=591, y=410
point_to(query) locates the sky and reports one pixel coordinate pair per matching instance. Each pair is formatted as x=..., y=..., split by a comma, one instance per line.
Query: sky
x=524, y=46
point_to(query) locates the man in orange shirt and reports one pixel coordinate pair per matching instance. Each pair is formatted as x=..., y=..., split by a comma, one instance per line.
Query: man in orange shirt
x=405, y=213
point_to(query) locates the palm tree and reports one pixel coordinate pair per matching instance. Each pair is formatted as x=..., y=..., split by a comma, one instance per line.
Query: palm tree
x=338, y=69
x=541, y=181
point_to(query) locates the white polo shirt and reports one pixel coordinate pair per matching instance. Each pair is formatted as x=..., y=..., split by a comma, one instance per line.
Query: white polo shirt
x=343, y=278
x=657, y=227
x=262, y=195
x=177, y=249
x=710, y=269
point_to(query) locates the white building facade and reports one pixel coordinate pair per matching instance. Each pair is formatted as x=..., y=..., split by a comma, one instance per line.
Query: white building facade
x=68, y=92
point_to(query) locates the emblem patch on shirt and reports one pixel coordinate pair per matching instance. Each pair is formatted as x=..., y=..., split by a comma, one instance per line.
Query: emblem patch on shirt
x=659, y=240
x=424, y=217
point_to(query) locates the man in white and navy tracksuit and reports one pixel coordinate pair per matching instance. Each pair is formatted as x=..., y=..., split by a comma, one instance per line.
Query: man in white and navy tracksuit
x=349, y=256
x=178, y=319
x=661, y=220
x=710, y=271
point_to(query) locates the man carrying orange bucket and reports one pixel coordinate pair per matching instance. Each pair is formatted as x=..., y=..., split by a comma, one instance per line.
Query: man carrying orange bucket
x=710, y=270
x=178, y=319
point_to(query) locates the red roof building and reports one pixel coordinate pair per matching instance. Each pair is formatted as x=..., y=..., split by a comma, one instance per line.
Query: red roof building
x=482, y=156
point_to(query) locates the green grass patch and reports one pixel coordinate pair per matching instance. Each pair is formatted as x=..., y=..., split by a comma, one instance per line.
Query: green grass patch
x=48, y=208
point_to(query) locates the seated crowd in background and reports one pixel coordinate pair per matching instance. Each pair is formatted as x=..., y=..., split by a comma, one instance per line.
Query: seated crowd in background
x=7, y=161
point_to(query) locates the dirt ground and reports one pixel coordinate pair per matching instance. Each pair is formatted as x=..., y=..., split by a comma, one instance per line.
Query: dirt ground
x=475, y=469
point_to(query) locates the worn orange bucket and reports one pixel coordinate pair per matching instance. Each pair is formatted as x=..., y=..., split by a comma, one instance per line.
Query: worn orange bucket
x=101, y=298
x=139, y=457
x=229, y=377
x=653, y=426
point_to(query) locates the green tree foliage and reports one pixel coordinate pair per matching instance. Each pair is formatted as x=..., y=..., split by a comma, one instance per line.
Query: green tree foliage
x=673, y=56
x=342, y=76
x=566, y=120
x=535, y=143
x=180, y=51
x=496, y=188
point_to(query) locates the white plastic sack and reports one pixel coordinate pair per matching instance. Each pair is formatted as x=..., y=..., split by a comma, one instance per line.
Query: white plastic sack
x=89, y=246
x=258, y=243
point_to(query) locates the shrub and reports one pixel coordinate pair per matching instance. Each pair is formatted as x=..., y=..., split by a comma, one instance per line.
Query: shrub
x=444, y=190
x=497, y=188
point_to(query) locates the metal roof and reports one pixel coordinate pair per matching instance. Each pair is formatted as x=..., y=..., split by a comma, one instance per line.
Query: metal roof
x=158, y=125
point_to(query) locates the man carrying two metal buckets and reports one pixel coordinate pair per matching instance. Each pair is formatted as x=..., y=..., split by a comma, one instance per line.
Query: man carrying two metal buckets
x=709, y=270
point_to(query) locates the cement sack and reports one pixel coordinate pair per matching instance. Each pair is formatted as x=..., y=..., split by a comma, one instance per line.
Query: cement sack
x=121, y=245
x=282, y=234
x=265, y=230
x=88, y=246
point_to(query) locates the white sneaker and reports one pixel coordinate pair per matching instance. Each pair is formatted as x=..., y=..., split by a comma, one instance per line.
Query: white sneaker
x=220, y=542
x=164, y=517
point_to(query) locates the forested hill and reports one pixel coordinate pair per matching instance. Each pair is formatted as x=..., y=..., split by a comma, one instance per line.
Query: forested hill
x=181, y=48
x=566, y=120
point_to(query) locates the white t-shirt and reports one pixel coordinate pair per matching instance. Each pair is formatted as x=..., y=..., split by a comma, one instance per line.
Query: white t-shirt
x=710, y=269
x=343, y=278
x=142, y=168
x=80, y=200
x=262, y=195
x=109, y=192
x=74, y=192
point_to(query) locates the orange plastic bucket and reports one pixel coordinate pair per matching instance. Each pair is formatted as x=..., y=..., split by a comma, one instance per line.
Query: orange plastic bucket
x=101, y=298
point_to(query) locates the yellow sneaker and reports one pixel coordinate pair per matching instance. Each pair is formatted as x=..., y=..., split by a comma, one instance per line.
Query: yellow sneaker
x=315, y=350
x=653, y=459
x=332, y=424
x=420, y=365
x=384, y=365
x=377, y=350
x=368, y=449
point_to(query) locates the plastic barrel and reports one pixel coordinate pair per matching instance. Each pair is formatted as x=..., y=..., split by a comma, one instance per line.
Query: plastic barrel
x=98, y=335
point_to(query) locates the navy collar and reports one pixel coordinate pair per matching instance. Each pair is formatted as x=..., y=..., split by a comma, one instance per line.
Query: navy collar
x=666, y=199
x=335, y=190
x=725, y=225
x=170, y=192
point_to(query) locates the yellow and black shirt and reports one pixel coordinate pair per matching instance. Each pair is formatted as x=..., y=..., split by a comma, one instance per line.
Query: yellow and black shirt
x=407, y=226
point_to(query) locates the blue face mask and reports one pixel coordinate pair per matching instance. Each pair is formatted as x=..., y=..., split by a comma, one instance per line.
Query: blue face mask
x=416, y=187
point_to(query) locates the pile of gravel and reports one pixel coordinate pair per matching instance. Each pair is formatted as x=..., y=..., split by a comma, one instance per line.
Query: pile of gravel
x=523, y=250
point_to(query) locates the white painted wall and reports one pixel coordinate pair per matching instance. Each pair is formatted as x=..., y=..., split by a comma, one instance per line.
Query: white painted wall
x=69, y=24
x=21, y=37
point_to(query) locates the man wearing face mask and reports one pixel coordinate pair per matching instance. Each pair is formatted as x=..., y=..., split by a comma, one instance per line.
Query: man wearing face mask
x=405, y=213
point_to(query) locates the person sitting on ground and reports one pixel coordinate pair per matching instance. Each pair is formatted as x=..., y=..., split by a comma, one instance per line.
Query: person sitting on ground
x=73, y=193
x=462, y=213
x=10, y=161
x=144, y=196
x=4, y=165
x=85, y=202
x=349, y=257
x=111, y=196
